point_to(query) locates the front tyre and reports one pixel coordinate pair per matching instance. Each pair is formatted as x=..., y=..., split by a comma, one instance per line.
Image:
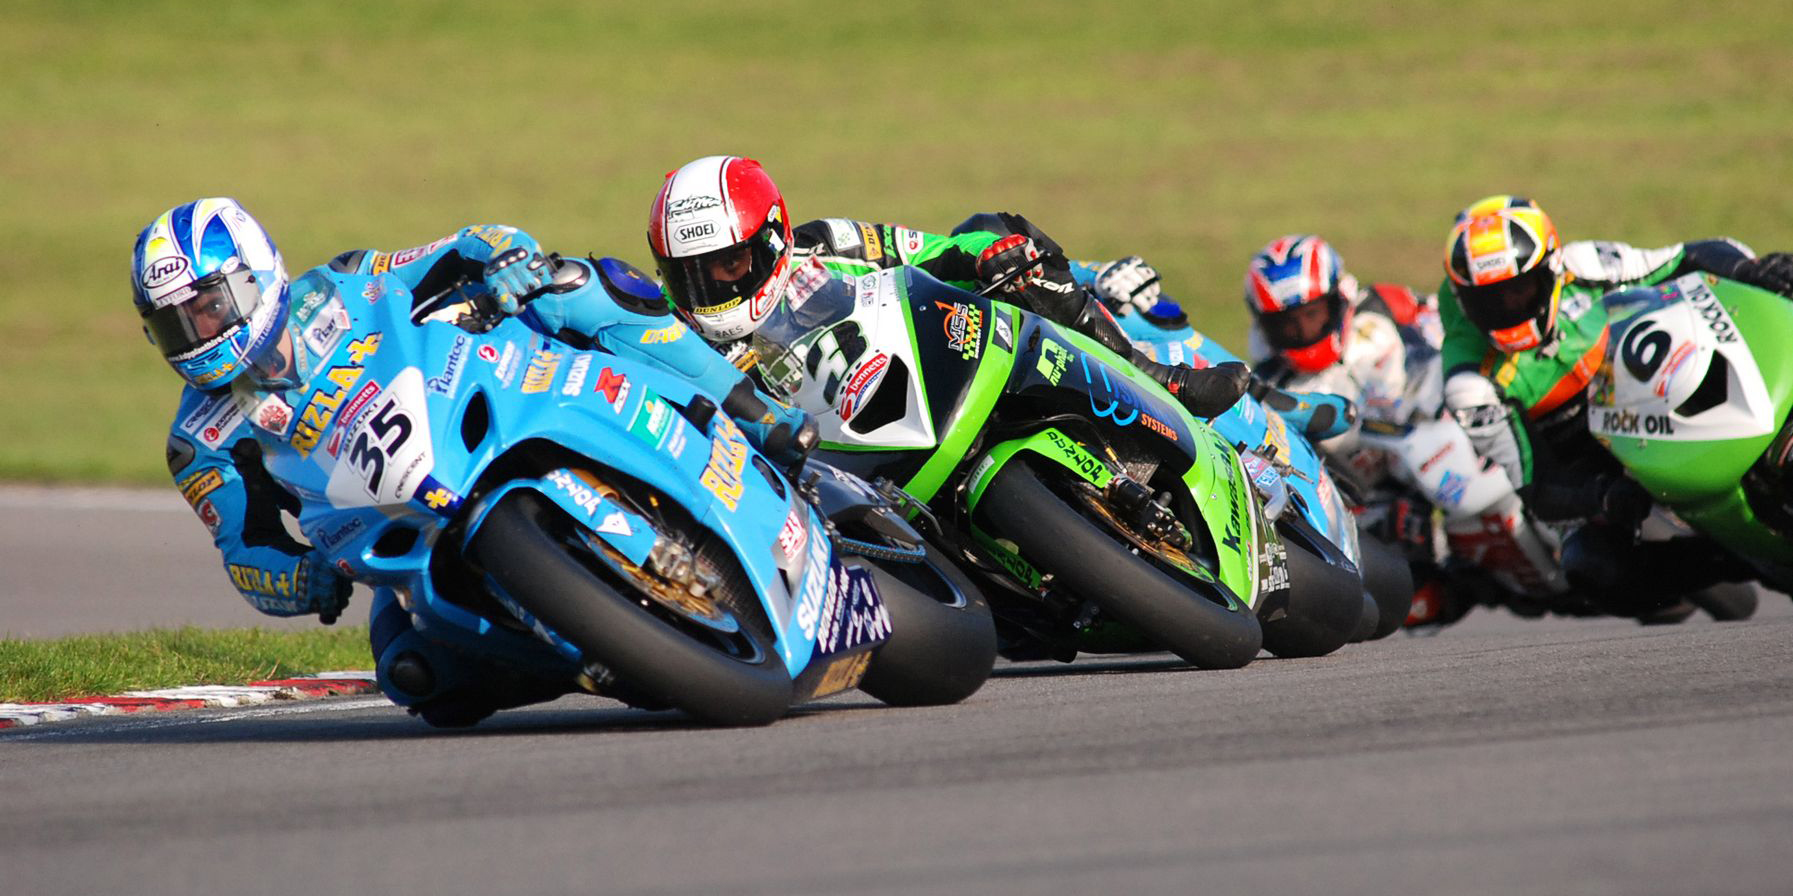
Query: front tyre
x=521, y=546
x=942, y=639
x=1324, y=604
x=1389, y=580
x=1097, y=565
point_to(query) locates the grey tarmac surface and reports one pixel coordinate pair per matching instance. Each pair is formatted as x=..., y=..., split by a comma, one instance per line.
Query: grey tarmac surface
x=79, y=561
x=1503, y=756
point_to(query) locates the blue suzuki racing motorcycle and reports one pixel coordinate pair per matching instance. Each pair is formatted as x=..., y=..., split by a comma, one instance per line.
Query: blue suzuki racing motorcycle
x=596, y=523
x=1317, y=505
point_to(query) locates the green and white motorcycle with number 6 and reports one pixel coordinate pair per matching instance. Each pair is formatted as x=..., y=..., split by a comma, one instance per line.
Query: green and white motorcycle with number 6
x=1693, y=398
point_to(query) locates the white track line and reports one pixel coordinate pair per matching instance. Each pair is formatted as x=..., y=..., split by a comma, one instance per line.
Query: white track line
x=146, y=721
x=133, y=500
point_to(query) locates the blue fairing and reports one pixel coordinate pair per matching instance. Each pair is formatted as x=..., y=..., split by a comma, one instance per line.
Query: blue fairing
x=399, y=422
x=1250, y=423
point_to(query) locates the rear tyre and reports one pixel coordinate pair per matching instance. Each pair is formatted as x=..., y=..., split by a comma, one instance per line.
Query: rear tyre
x=517, y=547
x=1389, y=580
x=942, y=639
x=1324, y=606
x=1367, y=622
x=1096, y=564
x=1726, y=601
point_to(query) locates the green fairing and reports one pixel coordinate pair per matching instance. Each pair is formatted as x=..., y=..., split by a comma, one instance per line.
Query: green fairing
x=972, y=415
x=1702, y=481
x=1048, y=443
x=1215, y=479
x=1023, y=571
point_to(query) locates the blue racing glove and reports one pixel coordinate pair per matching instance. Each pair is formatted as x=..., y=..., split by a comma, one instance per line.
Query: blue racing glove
x=1317, y=415
x=324, y=590
x=786, y=437
x=514, y=274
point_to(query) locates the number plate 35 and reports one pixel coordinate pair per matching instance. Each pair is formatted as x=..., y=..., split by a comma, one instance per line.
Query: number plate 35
x=385, y=449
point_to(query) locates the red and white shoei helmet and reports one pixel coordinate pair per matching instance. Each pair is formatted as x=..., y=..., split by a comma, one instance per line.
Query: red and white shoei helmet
x=722, y=237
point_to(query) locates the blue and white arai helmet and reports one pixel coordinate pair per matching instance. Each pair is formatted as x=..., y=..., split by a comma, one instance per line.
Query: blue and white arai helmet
x=211, y=289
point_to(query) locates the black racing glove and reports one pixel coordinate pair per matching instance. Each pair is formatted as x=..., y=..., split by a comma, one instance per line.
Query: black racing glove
x=1209, y=390
x=1773, y=272
x=1046, y=287
x=789, y=446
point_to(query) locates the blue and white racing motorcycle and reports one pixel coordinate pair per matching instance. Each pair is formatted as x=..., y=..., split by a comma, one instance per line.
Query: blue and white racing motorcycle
x=1316, y=507
x=593, y=521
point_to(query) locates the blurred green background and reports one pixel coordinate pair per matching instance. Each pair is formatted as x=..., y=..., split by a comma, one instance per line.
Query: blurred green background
x=1188, y=132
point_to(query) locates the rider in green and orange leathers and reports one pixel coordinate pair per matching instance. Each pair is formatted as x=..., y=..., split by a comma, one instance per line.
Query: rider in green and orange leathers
x=1525, y=332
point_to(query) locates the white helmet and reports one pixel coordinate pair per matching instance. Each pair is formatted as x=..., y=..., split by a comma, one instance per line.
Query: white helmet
x=722, y=237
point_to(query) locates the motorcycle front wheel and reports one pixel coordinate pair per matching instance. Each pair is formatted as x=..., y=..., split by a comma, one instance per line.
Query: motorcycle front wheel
x=1100, y=566
x=532, y=549
x=942, y=639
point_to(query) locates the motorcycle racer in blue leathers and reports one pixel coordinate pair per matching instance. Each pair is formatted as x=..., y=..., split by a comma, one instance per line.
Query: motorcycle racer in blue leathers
x=214, y=295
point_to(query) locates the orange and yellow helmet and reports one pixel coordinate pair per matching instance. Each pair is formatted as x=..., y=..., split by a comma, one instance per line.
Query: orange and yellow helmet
x=1505, y=262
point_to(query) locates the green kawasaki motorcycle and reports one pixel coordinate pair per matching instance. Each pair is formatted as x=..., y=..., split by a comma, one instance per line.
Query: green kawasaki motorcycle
x=1110, y=520
x=1693, y=397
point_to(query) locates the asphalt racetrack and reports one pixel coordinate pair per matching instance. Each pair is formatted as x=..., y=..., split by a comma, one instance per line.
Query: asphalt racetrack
x=1501, y=756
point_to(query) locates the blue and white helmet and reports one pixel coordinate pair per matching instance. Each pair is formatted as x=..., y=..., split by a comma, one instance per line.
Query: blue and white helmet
x=211, y=289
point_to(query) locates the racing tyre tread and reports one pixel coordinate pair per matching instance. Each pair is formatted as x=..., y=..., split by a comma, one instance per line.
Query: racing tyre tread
x=938, y=653
x=1325, y=604
x=1389, y=580
x=518, y=551
x=1098, y=565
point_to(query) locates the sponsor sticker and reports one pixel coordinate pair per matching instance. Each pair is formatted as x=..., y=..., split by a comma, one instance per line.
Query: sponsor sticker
x=331, y=539
x=794, y=536
x=326, y=330
x=507, y=365
x=670, y=333
x=197, y=486
x=964, y=328
x=163, y=271
x=860, y=385
x=728, y=459
x=694, y=230
x=615, y=387
x=274, y=415
x=911, y=241
x=542, y=367
x=444, y=383
x=213, y=420
x=842, y=234
x=406, y=256
x=874, y=247
x=576, y=370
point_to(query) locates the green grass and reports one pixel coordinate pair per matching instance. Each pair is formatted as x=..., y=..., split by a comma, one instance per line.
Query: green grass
x=90, y=665
x=1189, y=132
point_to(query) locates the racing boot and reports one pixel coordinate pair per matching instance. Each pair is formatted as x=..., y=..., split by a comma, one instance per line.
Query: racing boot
x=1206, y=392
x=1317, y=415
x=446, y=687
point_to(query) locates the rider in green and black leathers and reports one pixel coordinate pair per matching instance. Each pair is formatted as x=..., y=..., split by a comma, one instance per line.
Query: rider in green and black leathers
x=988, y=248
x=728, y=254
x=1525, y=332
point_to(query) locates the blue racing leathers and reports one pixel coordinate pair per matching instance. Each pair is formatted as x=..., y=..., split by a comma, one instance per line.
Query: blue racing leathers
x=216, y=462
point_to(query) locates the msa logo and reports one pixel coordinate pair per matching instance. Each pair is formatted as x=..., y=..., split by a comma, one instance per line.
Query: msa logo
x=694, y=231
